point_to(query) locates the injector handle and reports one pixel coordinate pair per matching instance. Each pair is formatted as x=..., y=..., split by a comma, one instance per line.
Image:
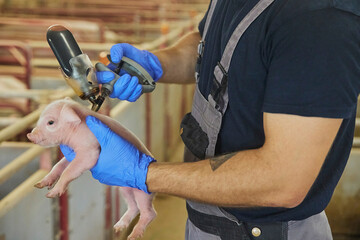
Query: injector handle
x=134, y=69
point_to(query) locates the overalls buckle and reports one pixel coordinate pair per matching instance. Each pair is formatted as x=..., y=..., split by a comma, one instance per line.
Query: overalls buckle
x=200, y=52
x=219, y=87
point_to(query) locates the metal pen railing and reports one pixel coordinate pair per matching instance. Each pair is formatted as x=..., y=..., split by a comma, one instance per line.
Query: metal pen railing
x=43, y=96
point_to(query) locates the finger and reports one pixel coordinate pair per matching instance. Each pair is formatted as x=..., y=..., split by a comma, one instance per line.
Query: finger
x=121, y=85
x=122, y=72
x=127, y=50
x=65, y=149
x=116, y=52
x=136, y=93
x=68, y=152
x=104, y=76
x=95, y=173
x=125, y=95
x=112, y=67
x=99, y=129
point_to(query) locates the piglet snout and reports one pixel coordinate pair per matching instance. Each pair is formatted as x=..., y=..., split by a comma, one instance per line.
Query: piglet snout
x=33, y=136
x=30, y=137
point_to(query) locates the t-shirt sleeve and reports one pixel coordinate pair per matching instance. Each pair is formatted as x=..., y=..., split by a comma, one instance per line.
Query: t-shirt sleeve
x=314, y=65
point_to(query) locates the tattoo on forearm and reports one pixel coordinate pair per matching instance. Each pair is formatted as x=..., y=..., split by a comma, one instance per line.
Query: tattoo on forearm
x=216, y=162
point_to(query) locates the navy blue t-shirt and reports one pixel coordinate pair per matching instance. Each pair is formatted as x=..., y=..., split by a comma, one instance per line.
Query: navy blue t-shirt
x=299, y=57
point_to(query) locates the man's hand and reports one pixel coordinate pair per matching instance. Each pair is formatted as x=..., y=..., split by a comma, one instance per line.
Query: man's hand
x=175, y=64
x=127, y=87
x=68, y=152
x=120, y=163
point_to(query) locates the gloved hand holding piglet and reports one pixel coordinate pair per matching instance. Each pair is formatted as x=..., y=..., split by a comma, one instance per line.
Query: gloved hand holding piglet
x=91, y=141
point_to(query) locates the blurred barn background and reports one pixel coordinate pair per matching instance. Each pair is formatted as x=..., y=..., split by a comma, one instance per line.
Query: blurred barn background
x=30, y=77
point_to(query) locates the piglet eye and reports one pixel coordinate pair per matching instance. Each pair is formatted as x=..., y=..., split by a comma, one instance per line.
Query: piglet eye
x=51, y=122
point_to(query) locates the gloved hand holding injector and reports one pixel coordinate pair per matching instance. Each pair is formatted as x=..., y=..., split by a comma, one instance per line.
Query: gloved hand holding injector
x=128, y=87
x=130, y=73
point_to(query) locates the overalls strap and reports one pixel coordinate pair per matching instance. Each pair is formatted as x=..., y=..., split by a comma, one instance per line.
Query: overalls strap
x=219, y=91
x=201, y=45
x=208, y=18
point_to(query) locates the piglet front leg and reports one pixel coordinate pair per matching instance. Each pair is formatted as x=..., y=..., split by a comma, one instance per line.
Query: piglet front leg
x=53, y=175
x=83, y=161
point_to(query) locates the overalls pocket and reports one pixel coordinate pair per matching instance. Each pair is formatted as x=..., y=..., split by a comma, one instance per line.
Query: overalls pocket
x=194, y=138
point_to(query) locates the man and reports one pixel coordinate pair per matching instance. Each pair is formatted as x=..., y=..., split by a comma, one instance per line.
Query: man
x=285, y=111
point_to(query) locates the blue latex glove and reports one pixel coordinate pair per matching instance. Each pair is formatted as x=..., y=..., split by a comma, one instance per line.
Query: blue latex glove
x=120, y=163
x=68, y=152
x=127, y=87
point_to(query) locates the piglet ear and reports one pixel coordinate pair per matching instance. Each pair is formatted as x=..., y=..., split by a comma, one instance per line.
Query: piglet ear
x=68, y=115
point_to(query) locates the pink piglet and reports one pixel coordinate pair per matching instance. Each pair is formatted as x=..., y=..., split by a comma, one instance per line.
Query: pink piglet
x=63, y=122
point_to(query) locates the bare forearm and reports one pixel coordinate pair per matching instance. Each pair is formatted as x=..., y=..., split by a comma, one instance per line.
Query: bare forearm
x=178, y=61
x=243, y=180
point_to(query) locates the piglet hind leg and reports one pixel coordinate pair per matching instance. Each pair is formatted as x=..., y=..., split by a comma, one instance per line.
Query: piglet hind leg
x=81, y=163
x=147, y=213
x=131, y=212
x=53, y=175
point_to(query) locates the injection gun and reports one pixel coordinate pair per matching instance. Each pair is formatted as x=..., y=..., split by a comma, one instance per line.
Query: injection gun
x=79, y=72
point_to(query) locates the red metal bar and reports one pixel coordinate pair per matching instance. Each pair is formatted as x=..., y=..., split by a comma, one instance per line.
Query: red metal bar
x=108, y=209
x=12, y=60
x=26, y=53
x=117, y=203
x=102, y=33
x=64, y=216
x=63, y=211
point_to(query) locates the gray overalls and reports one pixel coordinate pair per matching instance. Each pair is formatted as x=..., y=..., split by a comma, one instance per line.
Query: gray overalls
x=199, y=131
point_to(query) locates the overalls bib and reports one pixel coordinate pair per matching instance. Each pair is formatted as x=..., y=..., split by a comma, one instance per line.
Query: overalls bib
x=199, y=131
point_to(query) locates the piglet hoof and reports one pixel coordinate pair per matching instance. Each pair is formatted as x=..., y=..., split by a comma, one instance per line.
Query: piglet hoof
x=118, y=228
x=55, y=192
x=135, y=236
x=45, y=183
x=39, y=185
x=51, y=194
